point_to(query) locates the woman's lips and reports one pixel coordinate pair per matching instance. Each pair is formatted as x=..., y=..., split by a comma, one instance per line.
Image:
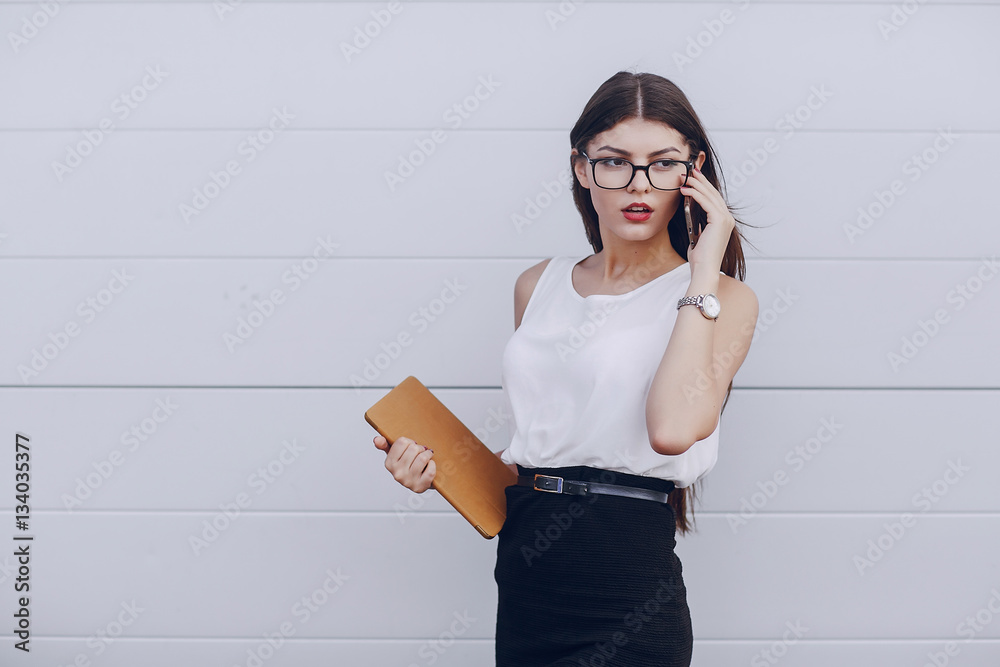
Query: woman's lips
x=637, y=212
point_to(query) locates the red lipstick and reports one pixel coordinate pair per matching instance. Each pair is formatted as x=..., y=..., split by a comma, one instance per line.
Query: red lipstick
x=637, y=212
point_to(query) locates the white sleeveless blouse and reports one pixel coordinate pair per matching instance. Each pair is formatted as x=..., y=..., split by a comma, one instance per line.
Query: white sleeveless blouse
x=577, y=371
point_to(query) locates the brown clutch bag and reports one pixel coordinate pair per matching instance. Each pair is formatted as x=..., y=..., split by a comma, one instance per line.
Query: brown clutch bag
x=469, y=476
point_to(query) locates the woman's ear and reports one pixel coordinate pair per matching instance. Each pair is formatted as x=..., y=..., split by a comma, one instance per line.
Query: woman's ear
x=580, y=169
x=700, y=160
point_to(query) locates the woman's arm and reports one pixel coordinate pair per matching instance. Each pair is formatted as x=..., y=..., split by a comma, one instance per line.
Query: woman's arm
x=702, y=356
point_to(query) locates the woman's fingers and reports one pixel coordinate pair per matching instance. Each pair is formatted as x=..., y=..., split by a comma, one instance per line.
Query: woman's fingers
x=410, y=454
x=409, y=462
x=420, y=462
x=703, y=192
x=427, y=477
x=417, y=468
x=395, y=452
x=404, y=462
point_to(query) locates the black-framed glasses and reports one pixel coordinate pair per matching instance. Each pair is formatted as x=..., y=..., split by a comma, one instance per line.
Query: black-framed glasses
x=615, y=173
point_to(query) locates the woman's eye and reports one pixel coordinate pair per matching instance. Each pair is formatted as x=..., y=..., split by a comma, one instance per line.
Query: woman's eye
x=614, y=162
x=664, y=164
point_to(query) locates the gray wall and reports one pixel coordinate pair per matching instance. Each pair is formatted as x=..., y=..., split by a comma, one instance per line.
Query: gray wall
x=115, y=117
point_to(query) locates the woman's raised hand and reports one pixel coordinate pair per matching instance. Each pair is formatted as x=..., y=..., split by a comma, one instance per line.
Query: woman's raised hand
x=410, y=463
x=714, y=238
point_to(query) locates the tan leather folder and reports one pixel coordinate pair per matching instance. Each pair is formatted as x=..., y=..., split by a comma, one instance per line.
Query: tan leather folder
x=468, y=475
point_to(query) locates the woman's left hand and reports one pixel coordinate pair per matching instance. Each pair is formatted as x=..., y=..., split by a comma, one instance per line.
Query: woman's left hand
x=714, y=239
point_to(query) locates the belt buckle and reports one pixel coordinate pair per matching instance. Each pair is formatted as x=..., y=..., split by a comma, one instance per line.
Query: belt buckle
x=558, y=481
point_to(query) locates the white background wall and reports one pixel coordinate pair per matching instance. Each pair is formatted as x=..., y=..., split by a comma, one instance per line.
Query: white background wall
x=331, y=513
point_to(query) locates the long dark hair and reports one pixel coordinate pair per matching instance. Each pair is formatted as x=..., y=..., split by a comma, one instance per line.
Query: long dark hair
x=624, y=96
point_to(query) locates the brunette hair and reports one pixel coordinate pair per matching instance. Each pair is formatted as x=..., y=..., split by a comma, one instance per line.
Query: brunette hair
x=628, y=95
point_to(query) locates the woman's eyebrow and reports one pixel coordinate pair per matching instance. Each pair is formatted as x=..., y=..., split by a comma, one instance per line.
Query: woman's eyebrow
x=627, y=154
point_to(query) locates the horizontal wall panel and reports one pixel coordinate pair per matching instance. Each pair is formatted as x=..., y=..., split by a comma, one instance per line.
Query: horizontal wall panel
x=290, y=652
x=360, y=576
x=854, y=577
x=284, y=450
x=311, y=450
x=296, y=323
x=858, y=194
x=386, y=580
x=170, y=194
x=857, y=451
x=221, y=73
x=490, y=194
x=479, y=652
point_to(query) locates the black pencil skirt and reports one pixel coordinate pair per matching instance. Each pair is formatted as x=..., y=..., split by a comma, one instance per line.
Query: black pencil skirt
x=590, y=580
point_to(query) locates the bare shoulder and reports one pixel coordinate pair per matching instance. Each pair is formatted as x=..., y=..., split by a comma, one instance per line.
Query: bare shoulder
x=524, y=286
x=739, y=313
x=737, y=296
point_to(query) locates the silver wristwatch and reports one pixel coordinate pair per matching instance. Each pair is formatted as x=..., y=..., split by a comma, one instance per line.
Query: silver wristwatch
x=708, y=304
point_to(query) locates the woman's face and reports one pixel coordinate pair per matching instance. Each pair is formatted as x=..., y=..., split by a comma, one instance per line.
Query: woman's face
x=641, y=142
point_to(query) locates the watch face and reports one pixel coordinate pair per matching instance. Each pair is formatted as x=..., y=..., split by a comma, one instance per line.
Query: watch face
x=712, y=305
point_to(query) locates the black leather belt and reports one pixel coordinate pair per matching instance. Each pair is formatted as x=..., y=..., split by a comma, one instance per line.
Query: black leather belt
x=576, y=487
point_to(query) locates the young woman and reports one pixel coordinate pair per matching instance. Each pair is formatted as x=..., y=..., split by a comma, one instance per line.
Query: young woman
x=616, y=376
